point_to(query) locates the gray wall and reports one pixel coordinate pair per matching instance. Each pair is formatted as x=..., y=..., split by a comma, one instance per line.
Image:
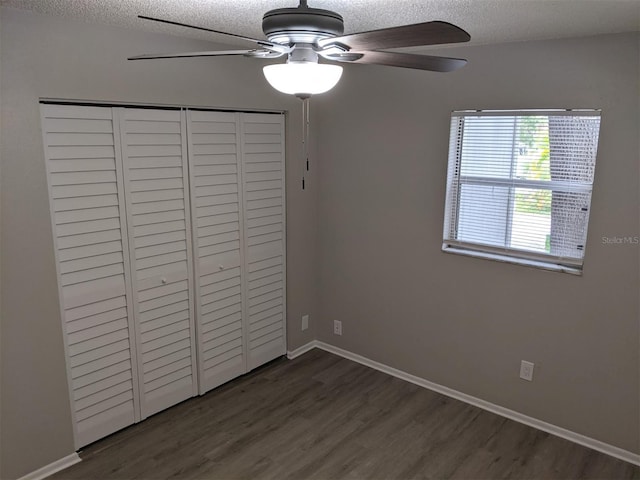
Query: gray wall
x=47, y=57
x=466, y=323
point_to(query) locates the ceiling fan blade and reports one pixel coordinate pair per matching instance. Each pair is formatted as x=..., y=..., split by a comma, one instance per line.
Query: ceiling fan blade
x=214, y=53
x=419, y=34
x=405, y=60
x=264, y=43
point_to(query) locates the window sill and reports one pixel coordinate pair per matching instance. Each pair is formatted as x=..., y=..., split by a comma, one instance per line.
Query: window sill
x=554, y=267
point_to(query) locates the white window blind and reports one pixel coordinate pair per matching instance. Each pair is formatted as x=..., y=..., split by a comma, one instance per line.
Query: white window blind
x=519, y=185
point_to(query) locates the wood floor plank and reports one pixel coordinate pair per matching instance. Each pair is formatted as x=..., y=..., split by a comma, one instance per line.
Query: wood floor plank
x=326, y=418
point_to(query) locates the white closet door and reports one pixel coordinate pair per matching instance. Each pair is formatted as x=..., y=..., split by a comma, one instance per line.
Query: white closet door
x=262, y=143
x=216, y=198
x=86, y=194
x=156, y=186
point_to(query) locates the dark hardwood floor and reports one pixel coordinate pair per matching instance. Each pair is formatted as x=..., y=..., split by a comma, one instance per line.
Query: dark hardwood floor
x=323, y=417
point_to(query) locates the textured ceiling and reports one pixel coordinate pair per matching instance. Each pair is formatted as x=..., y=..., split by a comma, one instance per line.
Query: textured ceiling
x=488, y=21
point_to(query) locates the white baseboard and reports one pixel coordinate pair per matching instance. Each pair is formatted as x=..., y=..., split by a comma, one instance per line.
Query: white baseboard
x=606, y=448
x=52, y=468
x=291, y=354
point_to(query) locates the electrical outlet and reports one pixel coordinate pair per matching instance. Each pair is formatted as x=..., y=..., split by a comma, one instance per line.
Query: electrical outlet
x=305, y=322
x=337, y=327
x=526, y=370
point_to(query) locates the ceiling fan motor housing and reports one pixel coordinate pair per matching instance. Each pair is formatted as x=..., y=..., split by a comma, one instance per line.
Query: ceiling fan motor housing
x=301, y=25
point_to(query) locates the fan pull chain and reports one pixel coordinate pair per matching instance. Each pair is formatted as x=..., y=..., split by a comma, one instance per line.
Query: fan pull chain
x=305, y=139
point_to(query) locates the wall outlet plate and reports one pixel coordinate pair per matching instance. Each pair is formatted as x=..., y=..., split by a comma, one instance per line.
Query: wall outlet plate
x=526, y=370
x=337, y=327
x=305, y=322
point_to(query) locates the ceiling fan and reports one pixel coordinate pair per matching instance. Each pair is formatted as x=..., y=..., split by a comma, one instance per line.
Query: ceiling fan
x=307, y=35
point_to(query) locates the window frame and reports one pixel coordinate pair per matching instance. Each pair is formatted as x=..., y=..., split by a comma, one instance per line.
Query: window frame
x=455, y=181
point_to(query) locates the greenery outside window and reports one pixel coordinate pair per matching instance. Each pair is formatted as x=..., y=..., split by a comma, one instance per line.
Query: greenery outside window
x=519, y=185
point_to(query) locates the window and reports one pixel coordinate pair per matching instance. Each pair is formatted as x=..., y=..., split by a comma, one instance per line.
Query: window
x=519, y=185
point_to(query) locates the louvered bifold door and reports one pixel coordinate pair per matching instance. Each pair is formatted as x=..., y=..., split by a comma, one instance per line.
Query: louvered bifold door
x=262, y=144
x=156, y=185
x=217, y=219
x=86, y=198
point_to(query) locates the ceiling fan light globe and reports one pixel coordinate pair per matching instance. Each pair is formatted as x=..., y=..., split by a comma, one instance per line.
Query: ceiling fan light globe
x=303, y=78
